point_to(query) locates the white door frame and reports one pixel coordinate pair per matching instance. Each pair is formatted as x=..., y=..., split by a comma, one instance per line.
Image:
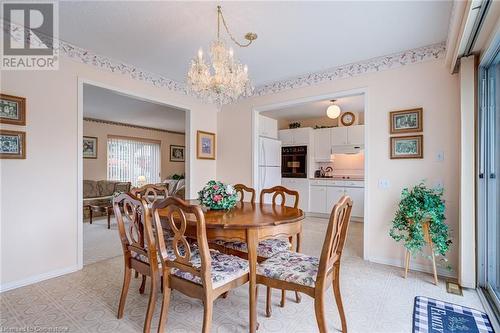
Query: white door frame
x=333, y=95
x=132, y=94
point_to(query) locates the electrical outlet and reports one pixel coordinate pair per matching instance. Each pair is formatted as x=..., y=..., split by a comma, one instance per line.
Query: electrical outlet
x=440, y=156
x=384, y=183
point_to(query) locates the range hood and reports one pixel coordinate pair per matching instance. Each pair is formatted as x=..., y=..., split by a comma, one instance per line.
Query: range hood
x=347, y=149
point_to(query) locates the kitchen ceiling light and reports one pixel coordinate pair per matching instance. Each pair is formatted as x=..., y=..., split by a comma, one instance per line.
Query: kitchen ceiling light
x=333, y=110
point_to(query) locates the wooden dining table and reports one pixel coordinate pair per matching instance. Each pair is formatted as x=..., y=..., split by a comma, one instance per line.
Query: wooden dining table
x=251, y=223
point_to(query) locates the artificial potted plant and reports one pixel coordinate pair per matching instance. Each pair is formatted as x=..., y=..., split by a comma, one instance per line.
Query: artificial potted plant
x=420, y=205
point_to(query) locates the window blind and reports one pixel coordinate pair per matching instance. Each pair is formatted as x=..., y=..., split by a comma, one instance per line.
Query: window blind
x=130, y=158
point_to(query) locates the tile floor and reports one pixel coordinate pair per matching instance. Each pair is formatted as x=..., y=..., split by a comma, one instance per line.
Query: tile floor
x=376, y=299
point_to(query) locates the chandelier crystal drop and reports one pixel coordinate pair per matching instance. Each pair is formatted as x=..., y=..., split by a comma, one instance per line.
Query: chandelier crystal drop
x=225, y=79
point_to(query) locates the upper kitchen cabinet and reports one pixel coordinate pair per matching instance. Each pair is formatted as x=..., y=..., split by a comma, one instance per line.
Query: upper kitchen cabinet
x=322, y=144
x=295, y=136
x=268, y=127
x=352, y=135
x=339, y=135
x=356, y=135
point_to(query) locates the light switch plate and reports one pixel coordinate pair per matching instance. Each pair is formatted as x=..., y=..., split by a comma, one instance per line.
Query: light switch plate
x=440, y=156
x=384, y=183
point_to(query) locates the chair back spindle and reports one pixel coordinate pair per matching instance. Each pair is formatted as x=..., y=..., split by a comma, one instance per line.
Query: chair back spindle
x=150, y=193
x=280, y=191
x=241, y=189
x=177, y=212
x=335, y=235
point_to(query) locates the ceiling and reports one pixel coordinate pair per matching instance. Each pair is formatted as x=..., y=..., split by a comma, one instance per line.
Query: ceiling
x=317, y=109
x=293, y=37
x=104, y=104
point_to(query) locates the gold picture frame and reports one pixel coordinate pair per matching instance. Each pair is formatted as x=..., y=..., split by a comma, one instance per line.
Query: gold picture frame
x=205, y=145
x=408, y=146
x=12, y=110
x=406, y=121
x=12, y=145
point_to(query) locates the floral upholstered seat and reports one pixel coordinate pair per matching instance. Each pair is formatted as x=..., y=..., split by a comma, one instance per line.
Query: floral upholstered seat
x=291, y=267
x=266, y=249
x=225, y=268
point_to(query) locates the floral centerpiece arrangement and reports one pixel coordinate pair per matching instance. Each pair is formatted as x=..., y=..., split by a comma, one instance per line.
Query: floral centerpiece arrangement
x=419, y=205
x=217, y=195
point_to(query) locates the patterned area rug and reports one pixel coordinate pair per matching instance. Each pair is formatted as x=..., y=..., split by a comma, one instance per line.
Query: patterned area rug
x=434, y=316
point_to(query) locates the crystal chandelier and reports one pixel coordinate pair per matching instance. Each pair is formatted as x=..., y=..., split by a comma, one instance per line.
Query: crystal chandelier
x=225, y=79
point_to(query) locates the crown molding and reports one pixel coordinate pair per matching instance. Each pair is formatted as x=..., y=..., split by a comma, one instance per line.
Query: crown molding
x=396, y=60
x=116, y=123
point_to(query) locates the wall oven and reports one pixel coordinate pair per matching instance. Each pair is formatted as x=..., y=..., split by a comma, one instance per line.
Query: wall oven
x=294, y=162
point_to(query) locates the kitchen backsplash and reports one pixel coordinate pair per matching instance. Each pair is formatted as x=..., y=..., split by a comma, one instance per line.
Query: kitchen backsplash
x=346, y=164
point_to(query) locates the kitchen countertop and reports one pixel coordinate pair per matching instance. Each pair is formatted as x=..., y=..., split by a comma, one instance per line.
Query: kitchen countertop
x=339, y=179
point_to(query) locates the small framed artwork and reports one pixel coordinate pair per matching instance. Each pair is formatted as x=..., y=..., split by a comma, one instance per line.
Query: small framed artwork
x=89, y=147
x=405, y=121
x=205, y=145
x=12, y=110
x=177, y=153
x=12, y=145
x=411, y=146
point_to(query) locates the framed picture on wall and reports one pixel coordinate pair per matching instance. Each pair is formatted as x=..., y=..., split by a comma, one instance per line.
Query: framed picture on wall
x=405, y=121
x=411, y=146
x=12, y=145
x=205, y=145
x=89, y=147
x=12, y=110
x=177, y=153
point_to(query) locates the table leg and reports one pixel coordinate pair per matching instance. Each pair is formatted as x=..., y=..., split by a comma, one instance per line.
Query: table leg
x=252, y=240
x=109, y=218
x=90, y=215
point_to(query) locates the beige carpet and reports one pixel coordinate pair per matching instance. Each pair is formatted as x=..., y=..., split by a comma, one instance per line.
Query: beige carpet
x=376, y=299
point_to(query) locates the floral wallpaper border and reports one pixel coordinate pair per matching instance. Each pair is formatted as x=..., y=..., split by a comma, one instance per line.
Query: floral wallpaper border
x=378, y=64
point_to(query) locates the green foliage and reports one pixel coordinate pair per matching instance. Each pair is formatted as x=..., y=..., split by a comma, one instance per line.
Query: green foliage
x=418, y=205
x=177, y=177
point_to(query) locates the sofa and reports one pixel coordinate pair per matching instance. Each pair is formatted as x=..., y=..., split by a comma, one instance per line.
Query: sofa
x=101, y=192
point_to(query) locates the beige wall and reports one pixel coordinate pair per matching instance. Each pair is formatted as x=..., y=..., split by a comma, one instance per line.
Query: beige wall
x=96, y=169
x=427, y=85
x=39, y=199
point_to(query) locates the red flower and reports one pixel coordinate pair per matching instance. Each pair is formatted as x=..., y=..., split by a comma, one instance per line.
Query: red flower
x=217, y=198
x=215, y=187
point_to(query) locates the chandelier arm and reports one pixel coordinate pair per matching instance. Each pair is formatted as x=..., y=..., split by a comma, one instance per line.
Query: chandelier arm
x=219, y=10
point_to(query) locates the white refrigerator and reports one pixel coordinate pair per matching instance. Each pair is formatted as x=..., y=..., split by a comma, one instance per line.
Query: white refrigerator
x=269, y=164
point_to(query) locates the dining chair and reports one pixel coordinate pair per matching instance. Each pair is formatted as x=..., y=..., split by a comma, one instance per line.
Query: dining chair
x=131, y=214
x=311, y=275
x=268, y=247
x=198, y=272
x=150, y=193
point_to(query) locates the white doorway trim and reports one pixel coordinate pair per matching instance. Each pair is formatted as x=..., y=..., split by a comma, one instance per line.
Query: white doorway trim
x=132, y=94
x=333, y=95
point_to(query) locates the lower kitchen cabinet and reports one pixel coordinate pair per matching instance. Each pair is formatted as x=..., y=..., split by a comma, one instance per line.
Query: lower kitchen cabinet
x=300, y=185
x=325, y=194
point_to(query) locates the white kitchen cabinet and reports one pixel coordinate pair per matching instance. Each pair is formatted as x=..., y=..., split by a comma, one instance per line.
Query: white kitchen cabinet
x=322, y=144
x=333, y=195
x=300, y=185
x=352, y=135
x=285, y=136
x=356, y=135
x=317, y=199
x=268, y=127
x=295, y=136
x=339, y=136
x=357, y=195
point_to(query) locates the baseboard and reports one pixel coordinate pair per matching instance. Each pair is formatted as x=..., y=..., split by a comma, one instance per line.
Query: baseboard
x=414, y=267
x=37, y=278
